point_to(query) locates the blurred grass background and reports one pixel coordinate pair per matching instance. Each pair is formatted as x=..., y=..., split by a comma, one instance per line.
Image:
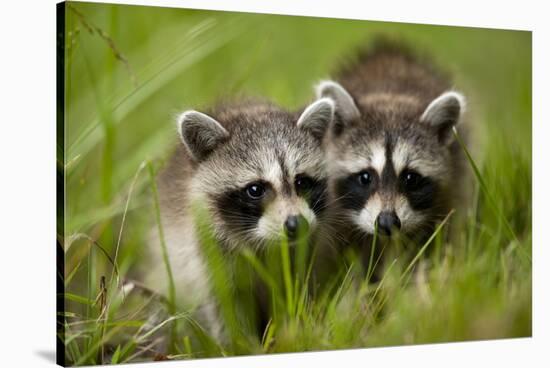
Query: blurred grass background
x=130, y=69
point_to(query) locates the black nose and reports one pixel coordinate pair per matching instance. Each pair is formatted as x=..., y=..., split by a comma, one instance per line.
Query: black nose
x=291, y=226
x=387, y=221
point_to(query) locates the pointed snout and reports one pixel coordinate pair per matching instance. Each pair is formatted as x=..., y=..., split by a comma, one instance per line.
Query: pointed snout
x=387, y=222
x=294, y=224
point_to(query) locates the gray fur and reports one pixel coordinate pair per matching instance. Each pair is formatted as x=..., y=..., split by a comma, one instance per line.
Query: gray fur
x=225, y=150
x=343, y=100
x=200, y=133
x=444, y=113
x=394, y=112
x=317, y=117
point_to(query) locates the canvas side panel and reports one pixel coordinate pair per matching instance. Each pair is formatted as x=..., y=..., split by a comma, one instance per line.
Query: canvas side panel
x=60, y=185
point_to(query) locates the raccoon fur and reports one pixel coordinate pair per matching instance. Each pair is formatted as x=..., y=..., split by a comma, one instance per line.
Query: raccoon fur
x=258, y=170
x=393, y=162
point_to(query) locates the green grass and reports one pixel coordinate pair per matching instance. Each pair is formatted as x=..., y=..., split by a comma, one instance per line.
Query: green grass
x=130, y=69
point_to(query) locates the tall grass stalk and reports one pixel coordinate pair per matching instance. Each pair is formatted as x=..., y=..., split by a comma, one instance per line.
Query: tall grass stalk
x=484, y=188
x=221, y=274
x=287, y=276
x=165, y=258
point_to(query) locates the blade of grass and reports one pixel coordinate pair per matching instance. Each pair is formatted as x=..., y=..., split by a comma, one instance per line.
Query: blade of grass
x=302, y=301
x=116, y=356
x=370, y=269
x=287, y=276
x=379, y=287
x=165, y=258
x=71, y=346
x=426, y=244
x=160, y=229
x=339, y=292
x=78, y=299
x=301, y=254
x=207, y=342
x=189, y=55
x=484, y=188
x=112, y=332
x=187, y=345
x=71, y=274
x=74, y=237
x=130, y=191
x=268, y=334
x=220, y=273
x=261, y=270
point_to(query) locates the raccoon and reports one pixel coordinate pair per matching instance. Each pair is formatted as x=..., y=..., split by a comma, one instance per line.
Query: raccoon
x=392, y=159
x=258, y=170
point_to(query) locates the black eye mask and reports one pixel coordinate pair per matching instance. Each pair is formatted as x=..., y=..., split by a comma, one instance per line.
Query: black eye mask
x=354, y=190
x=314, y=191
x=242, y=208
x=419, y=190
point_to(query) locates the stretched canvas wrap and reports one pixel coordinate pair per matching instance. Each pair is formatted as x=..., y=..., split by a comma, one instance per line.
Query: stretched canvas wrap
x=237, y=184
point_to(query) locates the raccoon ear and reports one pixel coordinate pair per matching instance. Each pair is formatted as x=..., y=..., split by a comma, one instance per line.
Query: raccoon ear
x=200, y=133
x=317, y=117
x=444, y=113
x=345, y=105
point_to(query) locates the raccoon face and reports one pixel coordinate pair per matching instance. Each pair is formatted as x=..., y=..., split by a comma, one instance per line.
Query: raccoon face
x=391, y=164
x=259, y=170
